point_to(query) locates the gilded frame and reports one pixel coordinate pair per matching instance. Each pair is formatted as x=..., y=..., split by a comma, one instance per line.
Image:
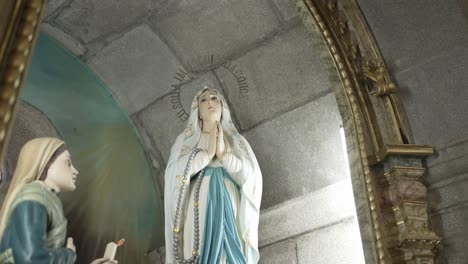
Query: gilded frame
x=20, y=22
x=385, y=163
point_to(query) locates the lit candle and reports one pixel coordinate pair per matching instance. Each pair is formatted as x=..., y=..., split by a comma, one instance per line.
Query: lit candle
x=120, y=242
x=111, y=249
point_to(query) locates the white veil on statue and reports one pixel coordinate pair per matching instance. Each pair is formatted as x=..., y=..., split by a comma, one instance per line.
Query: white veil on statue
x=251, y=189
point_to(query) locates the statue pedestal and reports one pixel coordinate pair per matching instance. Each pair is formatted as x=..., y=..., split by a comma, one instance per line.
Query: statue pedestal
x=404, y=204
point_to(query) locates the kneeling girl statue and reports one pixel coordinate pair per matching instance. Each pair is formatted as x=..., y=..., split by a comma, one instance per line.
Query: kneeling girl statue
x=33, y=227
x=213, y=188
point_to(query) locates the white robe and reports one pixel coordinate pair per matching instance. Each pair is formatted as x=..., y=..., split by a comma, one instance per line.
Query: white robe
x=231, y=164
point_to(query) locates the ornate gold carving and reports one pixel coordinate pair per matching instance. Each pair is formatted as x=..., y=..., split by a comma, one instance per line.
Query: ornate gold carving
x=405, y=150
x=397, y=122
x=18, y=33
x=398, y=212
x=377, y=73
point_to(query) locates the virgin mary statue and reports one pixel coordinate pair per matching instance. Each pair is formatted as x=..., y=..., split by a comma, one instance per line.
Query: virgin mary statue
x=213, y=188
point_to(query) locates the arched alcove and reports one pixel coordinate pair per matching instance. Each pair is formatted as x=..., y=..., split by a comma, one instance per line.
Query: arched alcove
x=296, y=87
x=117, y=195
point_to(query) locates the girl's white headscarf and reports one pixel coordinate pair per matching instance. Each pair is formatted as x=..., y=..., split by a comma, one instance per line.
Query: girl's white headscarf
x=251, y=189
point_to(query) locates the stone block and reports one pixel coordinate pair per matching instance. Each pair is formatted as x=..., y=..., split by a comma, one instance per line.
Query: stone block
x=454, y=250
x=451, y=224
x=457, y=150
x=300, y=151
x=336, y=244
x=199, y=28
x=448, y=193
x=90, y=19
x=449, y=162
x=286, y=8
x=279, y=253
x=68, y=41
x=447, y=169
x=53, y=5
x=309, y=212
x=286, y=72
x=138, y=68
x=448, y=153
x=423, y=88
x=410, y=33
x=152, y=152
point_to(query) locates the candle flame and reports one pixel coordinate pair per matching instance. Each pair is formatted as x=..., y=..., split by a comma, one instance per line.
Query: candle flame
x=120, y=242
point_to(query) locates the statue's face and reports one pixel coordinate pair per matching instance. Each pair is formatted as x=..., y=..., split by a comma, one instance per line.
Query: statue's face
x=210, y=106
x=62, y=174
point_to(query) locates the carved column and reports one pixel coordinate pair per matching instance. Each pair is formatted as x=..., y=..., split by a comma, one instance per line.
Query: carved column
x=404, y=204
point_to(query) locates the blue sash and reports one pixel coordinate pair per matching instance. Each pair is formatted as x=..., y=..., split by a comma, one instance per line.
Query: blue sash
x=221, y=233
